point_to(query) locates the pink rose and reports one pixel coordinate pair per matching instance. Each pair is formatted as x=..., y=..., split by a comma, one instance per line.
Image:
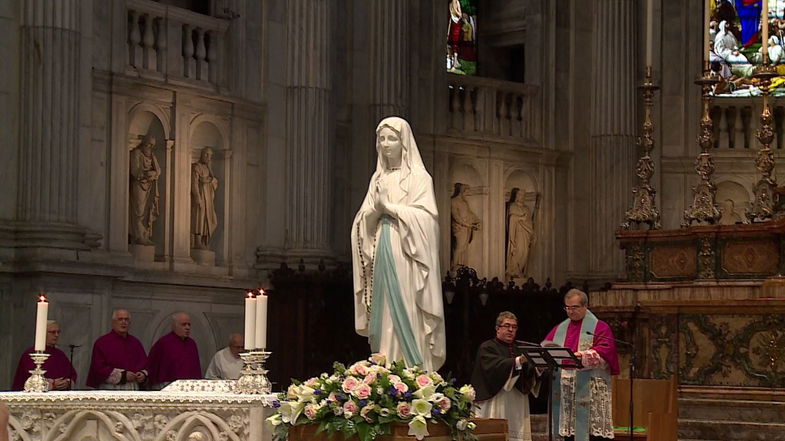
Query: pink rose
x=424, y=380
x=312, y=382
x=444, y=404
x=365, y=411
x=394, y=379
x=401, y=387
x=362, y=391
x=310, y=411
x=361, y=370
x=350, y=384
x=404, y=410
x=370, y=378
x=349, y=409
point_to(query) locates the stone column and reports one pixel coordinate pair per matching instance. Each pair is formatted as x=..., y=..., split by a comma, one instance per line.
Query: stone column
x=389, y=30
x=612, y=151
x=308, y=214
x=49, y=51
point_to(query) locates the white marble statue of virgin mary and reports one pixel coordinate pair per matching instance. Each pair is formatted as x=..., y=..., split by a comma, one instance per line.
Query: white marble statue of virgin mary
x=397, y=281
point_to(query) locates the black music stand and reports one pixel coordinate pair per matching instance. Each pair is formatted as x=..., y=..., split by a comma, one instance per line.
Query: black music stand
x=551, y=359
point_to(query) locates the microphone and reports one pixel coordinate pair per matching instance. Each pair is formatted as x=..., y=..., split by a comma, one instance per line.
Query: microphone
x=74, y=346
x=622, y=342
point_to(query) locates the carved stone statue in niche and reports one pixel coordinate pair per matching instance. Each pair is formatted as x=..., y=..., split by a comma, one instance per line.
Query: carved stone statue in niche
x=520, y=234
x=203, y=186
x=728, y=214
x=464, y=223
x=144, y=171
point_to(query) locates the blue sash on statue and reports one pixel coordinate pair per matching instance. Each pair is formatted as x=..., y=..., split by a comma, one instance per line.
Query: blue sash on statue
x=386, y=287
x=582, y=379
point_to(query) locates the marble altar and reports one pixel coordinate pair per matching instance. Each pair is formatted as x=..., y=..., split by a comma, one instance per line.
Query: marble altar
x=192, y=413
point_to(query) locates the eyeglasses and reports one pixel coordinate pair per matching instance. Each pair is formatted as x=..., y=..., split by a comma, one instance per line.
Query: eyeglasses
x=509, y=326
x=572, y=307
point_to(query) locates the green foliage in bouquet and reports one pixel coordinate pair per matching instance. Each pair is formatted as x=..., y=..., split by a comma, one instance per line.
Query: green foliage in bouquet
x=366, y=397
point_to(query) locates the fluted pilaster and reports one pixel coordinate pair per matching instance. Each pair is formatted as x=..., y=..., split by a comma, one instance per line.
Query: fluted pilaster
x=612, y=153
x=307, y=119
x=390, y=53
x=49, y=111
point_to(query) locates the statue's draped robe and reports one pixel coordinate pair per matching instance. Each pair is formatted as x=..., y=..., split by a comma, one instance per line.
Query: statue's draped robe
x=412, y=239
x=204, y=220
x=502, y=390
x=463, y=220
x=596, y=382
x=56, y=366
x=520, y=231
x=144, y=194
x=112, y=354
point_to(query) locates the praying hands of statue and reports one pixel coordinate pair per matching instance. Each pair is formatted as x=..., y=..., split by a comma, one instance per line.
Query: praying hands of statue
x=383, y=205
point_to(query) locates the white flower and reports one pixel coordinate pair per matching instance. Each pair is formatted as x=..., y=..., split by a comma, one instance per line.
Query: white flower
x=467, y=393
x=385, y=412
x=275, y=420
x=436, y=397
x=425, y=392
x=471, y=425
x=422, y=407
x=461, y=424
x=418, y=427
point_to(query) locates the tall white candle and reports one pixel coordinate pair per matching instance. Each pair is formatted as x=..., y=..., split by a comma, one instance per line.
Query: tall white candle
x=261, y=320
x=250, y=321
x=764, y=18
x=649, y=31
x=706, y=32
x=41, y=316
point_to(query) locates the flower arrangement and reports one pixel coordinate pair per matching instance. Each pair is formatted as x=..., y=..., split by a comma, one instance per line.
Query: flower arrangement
x=365, y=398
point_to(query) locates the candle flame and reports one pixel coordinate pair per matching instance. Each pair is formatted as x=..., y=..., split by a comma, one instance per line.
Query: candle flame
x=250, y=294
x=42, y=297
x=261, y=291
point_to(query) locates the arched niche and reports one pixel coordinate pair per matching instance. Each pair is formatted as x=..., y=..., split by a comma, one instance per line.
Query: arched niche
x=476, y=194
x=201, y=332
x=732, y=199
x=147, y=120
x=206, y=132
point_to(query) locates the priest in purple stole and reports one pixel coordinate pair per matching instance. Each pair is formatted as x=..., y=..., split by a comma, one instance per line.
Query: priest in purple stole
x=581, y=399
x=175, y=355
x=59, y=371
x=118, y=361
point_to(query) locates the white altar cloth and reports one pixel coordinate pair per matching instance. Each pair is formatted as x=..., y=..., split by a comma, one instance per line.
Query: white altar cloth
x=139, y=416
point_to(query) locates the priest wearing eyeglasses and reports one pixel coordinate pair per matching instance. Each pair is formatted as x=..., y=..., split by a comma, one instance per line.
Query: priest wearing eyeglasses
x=581, y=400
x=503, y=379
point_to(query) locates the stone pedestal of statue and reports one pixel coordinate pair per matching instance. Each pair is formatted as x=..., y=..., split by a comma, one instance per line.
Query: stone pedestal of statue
x=142, y=253
x=203, y=256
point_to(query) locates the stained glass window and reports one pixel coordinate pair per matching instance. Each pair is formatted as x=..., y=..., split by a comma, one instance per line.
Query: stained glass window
x=735, y=46
x=462, y=37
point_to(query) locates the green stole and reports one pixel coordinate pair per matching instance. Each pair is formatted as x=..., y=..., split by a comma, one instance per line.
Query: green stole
x=386, y=287
x=582, y=379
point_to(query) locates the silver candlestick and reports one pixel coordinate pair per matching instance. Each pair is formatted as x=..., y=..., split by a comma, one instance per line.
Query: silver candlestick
x=253, y=377
x=37, y=382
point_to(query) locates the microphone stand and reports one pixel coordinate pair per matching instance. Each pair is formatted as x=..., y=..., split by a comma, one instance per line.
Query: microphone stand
x=71, y=352
x=632, y=366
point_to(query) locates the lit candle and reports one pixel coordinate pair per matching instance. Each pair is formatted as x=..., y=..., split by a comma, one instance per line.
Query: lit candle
x=261, y=320
x=649, y=31
x=250, y=321
x=764, y=18
x=706, y=32
x=41, y=316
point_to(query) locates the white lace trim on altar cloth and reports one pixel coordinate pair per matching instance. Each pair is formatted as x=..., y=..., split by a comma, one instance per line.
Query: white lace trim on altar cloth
x=600, y=418
x=184, y=392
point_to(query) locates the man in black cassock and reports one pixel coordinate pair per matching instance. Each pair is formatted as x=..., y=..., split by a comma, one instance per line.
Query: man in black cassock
x=503, y=378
